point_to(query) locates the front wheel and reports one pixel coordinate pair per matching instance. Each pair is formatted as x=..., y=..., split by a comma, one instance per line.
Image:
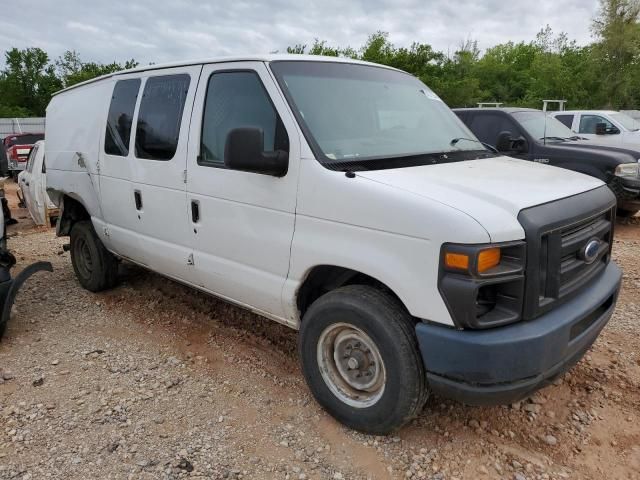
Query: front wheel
x=361, y=360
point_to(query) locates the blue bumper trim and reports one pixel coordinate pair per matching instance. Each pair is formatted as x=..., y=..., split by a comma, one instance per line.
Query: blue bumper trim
x=504, y=364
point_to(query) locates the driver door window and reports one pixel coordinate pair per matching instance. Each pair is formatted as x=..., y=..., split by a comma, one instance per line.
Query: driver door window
x=488, y=126
x=234, y=100
x=588, y=124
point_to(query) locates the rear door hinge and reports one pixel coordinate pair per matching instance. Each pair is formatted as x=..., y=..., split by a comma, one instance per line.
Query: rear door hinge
x=184, y=176
x=190, y=261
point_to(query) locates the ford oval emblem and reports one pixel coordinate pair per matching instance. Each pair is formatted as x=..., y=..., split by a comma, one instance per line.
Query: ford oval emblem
x=590, y=251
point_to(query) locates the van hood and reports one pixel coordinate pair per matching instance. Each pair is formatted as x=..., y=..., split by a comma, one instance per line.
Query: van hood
x=492, y=191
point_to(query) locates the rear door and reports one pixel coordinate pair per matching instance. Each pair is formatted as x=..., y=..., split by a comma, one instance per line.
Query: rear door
x=160, y=150
x=241, y=223
x=117, y=163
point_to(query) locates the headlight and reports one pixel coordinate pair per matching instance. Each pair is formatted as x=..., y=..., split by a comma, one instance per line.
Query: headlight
x=627, y=170
x=483, y=285
x=480, y=261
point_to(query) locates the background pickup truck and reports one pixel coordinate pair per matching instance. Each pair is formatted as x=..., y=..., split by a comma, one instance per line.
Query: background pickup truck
x=17, y=147
x=602, y=126
x=534, y=135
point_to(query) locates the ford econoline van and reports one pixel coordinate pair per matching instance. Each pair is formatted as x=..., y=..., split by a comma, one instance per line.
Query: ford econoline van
x=345, y=200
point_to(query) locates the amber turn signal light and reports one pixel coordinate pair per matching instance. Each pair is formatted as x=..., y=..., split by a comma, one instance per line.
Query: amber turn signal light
x=488, y=259
x=458, y=261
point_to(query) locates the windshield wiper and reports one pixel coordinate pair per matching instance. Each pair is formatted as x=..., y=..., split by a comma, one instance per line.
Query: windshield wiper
x=455, y=141
x=562, y=139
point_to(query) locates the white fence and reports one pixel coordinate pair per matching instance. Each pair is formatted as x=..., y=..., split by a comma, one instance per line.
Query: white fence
x=10, y=126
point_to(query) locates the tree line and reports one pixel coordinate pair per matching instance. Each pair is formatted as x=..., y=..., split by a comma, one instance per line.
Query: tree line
x=603, y=74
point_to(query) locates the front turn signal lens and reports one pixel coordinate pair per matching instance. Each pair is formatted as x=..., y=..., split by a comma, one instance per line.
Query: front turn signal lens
x=488, y=259
x=458, y=261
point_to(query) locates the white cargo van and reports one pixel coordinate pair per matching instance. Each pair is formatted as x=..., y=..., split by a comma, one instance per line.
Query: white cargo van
x=346, y=200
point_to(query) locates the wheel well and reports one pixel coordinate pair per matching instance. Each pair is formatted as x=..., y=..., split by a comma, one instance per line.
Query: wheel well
x=324, y=278
x=72, y=211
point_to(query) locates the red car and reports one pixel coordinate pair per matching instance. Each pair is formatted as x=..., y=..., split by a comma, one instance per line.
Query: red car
x=18, y=146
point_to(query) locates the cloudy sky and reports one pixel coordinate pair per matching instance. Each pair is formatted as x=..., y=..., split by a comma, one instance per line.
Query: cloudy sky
x=166, y=30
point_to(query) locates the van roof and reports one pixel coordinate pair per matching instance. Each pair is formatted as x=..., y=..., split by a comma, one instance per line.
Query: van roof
x=230, y=59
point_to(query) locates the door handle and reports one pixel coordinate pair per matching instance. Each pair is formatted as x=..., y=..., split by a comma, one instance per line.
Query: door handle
x=137, y=196
x=195, y=211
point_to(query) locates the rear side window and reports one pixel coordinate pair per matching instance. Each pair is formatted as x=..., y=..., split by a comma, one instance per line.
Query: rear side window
x=234, y=100
x=123, y=103
x=160, y=116
x=567, y=120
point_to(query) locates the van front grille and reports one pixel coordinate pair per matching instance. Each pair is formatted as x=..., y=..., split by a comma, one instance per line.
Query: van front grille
x=559, y=264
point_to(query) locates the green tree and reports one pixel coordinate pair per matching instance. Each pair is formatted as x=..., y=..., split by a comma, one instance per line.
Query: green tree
x=28, y=81
x=616, y=52
x=71, y=69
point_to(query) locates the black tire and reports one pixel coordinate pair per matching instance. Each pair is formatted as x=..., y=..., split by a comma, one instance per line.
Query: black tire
x=96, y=268
x=387, y=324
x=624, y=213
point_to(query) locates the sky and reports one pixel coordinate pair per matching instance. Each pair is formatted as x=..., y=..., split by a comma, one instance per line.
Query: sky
x=171, y=30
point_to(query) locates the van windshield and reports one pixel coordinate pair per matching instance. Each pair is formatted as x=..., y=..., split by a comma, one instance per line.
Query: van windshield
x=352, y=114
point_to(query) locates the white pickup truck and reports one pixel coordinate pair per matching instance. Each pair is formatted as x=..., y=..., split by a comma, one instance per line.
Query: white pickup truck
x=345, y=200
x=606, y=127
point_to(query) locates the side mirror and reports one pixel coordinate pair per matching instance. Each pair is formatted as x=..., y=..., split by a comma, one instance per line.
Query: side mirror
x=244, y=150
x=505, y=142
x=601, y=128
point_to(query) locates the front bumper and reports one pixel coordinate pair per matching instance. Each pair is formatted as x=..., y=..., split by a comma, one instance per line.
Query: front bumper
x=505, y=364
x=630, y=198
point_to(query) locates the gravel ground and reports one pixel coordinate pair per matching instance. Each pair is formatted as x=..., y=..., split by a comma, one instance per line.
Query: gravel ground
x=153, y=380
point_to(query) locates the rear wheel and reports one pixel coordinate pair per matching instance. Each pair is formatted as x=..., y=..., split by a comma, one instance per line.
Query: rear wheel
x=95, y=267
x=361, y=360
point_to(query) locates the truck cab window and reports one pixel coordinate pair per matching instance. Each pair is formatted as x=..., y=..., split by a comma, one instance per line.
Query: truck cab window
x=233, y=100
x=567, y=120
x=120, y=118
x=160, y=116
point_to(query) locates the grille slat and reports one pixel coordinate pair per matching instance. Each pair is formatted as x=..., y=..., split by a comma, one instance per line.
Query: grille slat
x=566, y=244
x=572, y=241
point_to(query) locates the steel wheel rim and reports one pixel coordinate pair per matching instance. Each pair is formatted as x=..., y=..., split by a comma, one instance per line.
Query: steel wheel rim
x=85, y=262
x=351, y=365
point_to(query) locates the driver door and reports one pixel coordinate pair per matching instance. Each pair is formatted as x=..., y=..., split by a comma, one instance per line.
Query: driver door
x=241, y=223
x=589, y=124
